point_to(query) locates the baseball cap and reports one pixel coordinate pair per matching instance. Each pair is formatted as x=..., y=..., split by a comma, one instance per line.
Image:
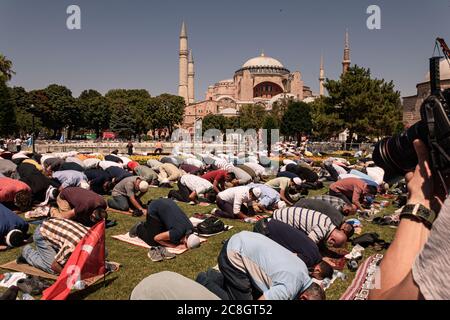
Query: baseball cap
x=256, y=192
x=143, y=186
x=193, y=241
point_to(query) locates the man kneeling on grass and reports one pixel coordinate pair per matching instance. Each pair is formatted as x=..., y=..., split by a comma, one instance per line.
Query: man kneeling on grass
x=55, y=240
x=253, y=266
x=166, y=226
x=80, y=205
x=127, y=194
x=190, y=187
x=297, y=242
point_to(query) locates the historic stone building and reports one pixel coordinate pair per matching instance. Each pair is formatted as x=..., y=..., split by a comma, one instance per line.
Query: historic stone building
x=412, y=104
x=260, y=80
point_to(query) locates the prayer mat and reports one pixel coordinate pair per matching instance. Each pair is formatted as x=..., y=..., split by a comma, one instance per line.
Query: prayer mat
x=364, y=280
x=127, y=213
x=140, y=243
x=27, y=269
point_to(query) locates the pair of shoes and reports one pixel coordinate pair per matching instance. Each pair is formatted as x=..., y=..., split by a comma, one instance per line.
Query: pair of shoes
x=110, y=223
x=133, y=230
x=33, y=285
x=166, y=254
x=213, y=211
x=10, y=294
x=137, y=213
x=111, y=267
x=21, y=260
x=157, y=254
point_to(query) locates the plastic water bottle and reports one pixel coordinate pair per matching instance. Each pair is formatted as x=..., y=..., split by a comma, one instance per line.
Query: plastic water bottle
x=79, y=285
x=341, y=275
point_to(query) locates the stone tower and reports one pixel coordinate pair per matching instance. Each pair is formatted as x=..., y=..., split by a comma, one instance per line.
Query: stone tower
x=322, y=77
x=183, y=82
x=191, y=78
x=346, y=61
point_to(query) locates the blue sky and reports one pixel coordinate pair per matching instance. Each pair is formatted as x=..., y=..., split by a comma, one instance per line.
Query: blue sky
x=134, y=43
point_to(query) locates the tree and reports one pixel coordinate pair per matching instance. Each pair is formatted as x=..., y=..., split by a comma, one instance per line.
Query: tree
x=6, y=71
x=366, y=106
x=22, y=106
x=214, y=121
x=122, y=121
x=170, y=111
x=326, y=123
x=7, y=112
x=252, y=116
x=297, y=121
x=57, y=109
x=141, y=107
x=96, y=111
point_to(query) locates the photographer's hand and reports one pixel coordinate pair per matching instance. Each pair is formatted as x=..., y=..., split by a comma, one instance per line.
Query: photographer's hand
x=396, y=277
x=422, y=187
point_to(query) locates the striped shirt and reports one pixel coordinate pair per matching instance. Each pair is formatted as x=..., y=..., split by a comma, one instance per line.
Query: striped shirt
x=316, y=225
x=336, y=202
x=64, y=235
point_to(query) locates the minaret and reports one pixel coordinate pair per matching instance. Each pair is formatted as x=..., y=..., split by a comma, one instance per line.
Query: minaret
x=191, y=78
x=322, y=77
x=183, y=84
x=346, y=62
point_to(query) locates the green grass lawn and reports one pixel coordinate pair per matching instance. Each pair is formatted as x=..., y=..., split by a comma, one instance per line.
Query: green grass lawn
x=136, y=265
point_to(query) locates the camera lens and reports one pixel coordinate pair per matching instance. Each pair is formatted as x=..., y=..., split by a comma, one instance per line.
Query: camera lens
x=396, y=155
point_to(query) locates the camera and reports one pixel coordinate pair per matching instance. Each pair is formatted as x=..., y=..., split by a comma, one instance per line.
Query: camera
x=397, y=156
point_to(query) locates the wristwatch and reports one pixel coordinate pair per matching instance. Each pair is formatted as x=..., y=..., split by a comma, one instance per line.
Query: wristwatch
x=420, y=213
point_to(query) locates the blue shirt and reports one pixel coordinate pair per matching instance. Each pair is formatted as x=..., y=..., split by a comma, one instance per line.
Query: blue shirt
x=10, y=221
x=69, y=178
x=269, y=196
x=274, y=270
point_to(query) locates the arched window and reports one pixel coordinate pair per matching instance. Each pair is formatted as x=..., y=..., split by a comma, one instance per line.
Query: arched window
x=266, y=90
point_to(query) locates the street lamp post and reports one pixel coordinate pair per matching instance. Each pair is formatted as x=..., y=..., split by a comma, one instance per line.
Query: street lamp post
x=33, y=135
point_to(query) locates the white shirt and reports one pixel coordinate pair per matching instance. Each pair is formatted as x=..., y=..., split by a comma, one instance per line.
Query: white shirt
x=107, y=164
x=237, y=196
x=376, y=173
x=259, y=169
x=339, y=169
x=154, y=164
x=194, y=162
x=195, y=183
x=91, y=163
x=125, y=160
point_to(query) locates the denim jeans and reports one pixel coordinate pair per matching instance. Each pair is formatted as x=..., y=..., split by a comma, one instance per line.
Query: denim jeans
x=43, y=256
x=119, y=203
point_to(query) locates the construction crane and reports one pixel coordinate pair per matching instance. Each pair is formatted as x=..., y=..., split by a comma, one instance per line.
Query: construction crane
x=445, y=48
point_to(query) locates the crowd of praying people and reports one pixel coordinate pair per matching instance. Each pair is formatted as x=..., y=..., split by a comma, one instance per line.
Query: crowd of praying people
x=282, y=259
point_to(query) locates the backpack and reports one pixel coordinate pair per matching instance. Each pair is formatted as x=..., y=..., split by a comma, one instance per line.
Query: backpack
x=210, y=225
x=366, y=240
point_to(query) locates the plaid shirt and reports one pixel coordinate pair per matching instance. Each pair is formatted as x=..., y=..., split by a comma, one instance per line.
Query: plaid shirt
x=336, y=202
x=64, y=235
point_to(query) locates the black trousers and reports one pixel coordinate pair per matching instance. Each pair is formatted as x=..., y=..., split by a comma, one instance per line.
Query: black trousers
x=261, y=227
x=149, y=229
x=182, y=194
x=236, y=283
